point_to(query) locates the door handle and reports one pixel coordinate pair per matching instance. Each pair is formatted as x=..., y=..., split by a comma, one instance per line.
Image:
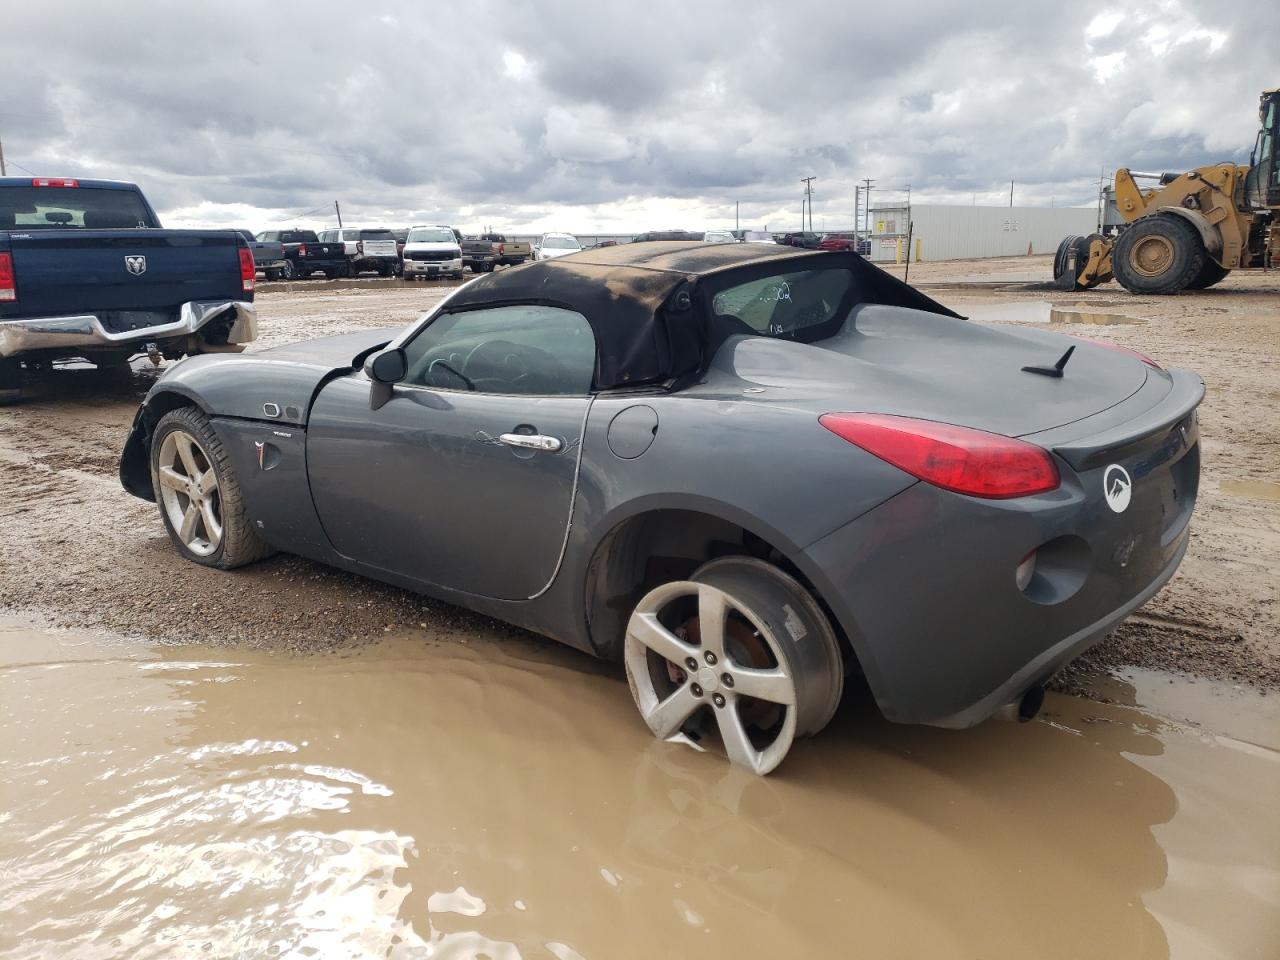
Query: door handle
x=532, y=441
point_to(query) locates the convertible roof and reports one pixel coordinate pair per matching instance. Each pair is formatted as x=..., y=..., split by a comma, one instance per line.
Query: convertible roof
x=628, y=293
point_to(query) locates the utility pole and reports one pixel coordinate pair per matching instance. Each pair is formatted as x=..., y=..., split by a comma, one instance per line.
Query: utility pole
x=2, y=171
x=735, y=216
x=857, y=211
x=808, y=196
x=338, y=211
x=866, y=193
x=1011, y=193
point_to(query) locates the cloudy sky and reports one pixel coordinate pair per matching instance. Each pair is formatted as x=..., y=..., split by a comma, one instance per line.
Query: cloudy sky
x=616, y=117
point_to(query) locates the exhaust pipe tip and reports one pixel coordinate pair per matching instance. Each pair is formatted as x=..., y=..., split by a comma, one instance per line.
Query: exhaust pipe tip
x=1031, y=703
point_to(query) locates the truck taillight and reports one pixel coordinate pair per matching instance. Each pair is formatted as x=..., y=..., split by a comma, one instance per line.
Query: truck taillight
x=302, y=249
x=8, y=286
x=246, y=269
x=359, y=246
x=54, y=182
x=502, y=248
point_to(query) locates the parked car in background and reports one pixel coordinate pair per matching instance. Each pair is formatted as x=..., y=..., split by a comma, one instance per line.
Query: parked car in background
x=268, y=255
x=368, y=249
x=845, y=241
x=432, y=250
x=401, y=234
x=803, y=239
x=510, y=253
x=304, y=254
x=478, y=254
x=86, y=271
x=954, y=526
x=663, y=235
x=554, y=245
x=719, y=236
x=757, y=236
x=604, y=243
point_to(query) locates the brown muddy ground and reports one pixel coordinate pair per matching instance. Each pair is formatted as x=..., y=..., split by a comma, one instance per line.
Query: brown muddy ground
x=75, y=547
x=418, y=798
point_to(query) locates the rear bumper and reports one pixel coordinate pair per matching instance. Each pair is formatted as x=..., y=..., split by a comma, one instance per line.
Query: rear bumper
x=83, y=331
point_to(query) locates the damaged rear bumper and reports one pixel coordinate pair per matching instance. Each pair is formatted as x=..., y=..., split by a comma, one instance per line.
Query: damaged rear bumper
x=86, y=331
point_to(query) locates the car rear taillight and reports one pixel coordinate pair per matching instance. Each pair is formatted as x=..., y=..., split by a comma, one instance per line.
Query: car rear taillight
x=54, y=182
x=246, y=268
x=8, y=286
x=959, y=459
x=1119, y=349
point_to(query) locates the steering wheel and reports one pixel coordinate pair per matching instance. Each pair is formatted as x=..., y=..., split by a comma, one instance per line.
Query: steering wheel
x=445, y=364
x=523, y=360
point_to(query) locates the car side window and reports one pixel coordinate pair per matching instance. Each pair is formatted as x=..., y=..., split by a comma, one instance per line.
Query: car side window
x=526, y=349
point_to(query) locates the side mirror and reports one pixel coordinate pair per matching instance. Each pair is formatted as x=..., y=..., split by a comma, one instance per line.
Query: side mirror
x=384, y=369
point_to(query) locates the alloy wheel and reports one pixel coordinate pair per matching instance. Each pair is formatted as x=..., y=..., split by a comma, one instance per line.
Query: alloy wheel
x=189, y=493
x=694, y=653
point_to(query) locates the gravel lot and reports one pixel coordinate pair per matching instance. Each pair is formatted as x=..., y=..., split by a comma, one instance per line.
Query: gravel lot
x=76, y=550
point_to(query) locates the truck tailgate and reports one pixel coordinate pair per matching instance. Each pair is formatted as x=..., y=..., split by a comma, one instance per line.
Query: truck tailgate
x=69, y=272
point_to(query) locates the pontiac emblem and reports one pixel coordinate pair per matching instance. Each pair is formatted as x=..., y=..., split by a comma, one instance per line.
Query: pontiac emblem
x=136, y=265
x=1117, y=488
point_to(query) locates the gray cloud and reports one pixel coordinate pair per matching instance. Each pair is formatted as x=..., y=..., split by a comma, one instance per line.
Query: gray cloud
x=596, y=117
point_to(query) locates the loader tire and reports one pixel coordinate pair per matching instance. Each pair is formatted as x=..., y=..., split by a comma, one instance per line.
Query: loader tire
x=1209, y=274
x=1158, y=255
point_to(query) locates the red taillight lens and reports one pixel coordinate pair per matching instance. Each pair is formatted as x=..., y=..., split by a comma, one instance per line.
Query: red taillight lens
x=302, y=250
x=54, y=182
x=246, y=268
x=960, y=459
x=8, y=286
x=1119, y=349
x=502, y=248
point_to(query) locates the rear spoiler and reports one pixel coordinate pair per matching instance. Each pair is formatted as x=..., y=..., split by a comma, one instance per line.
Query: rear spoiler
x=1148, y=429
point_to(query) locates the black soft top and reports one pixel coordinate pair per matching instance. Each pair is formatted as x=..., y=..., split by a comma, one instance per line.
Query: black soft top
x=643, y=299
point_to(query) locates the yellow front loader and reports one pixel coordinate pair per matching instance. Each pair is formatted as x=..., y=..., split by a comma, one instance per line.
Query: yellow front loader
x=1191, y=229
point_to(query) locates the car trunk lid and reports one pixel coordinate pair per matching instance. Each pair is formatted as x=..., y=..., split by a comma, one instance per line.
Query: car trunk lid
x=917, y=364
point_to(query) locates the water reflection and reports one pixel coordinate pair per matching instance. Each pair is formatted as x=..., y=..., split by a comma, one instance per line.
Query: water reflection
x=413, y=801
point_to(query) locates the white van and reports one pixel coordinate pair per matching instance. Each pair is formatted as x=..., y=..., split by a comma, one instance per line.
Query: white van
x=554, y=245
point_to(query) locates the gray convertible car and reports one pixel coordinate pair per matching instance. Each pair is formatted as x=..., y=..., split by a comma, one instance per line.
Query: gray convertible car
x=746, y=472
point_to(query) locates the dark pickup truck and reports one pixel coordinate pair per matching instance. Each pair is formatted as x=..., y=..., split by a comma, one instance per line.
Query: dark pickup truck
x=268, y=256
x=86, y=272
x=304, y=254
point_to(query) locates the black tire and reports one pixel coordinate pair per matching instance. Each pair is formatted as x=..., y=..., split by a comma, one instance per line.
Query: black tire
x=10, y=381
x=273, y=275
x=289, y=271
x=488, y=268
x=1160, y=255
x=475, y=268
x=239, y=543
x=1209, y=274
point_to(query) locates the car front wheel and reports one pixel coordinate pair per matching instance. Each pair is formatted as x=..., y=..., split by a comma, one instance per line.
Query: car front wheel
x=198, y=494
x=740, y=648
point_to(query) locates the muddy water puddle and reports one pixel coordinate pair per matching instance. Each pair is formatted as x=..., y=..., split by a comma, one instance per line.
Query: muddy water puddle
x=1042, y=311
x=500, y=799
x=1250, y=489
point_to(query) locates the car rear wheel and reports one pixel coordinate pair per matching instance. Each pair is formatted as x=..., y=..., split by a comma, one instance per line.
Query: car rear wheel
x=288, y=271
x=1158, y=254
x=741, y=648
x=198, y=494
x=10, y=380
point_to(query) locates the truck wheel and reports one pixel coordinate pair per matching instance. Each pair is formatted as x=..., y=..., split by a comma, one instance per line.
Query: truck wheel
x=10, y=381
x=198, y=494
x=273, y=274
x=488, y=268
x=475, y=267
x=740, y=647
x=1158, y=255
x=1209, y=274
x=288, y=271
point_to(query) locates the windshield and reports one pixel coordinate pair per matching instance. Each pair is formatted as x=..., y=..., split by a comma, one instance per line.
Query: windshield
x=718, y=236
x=377, y=235
x=800, y=305
x=298, y=236
x=561, y=243
x=51, y=208
x=431, y=235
